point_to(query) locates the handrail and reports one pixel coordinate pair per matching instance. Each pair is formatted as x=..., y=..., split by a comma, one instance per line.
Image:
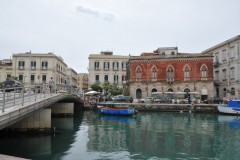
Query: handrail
x=16, y=96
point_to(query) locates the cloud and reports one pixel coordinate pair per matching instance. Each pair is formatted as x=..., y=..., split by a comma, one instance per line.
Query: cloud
x=105, y=15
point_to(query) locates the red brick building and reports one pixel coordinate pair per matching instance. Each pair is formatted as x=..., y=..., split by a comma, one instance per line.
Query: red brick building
x=166, y=70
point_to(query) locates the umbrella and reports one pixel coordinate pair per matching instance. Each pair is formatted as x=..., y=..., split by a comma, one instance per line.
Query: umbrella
x=91, y=93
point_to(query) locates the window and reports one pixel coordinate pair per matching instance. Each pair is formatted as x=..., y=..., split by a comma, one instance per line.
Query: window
x=224, y=74
x=20, y=78
x=154, y=73
x=138, y=73
x=106, y=78
x=224, y=92
x=170, y=73
x=21, y=64
x=233, y=91
x=123, y=78
x=44, y=65
x=124, y=66
x=217, y=76
x=96, y=65
x=33, y=64
x=186, y=72
x=44, y=78
x=232, y=52
x=115, y=65
x=232, y=73
x=217, y=57
x=97, y=78
x=32, y=79
x=203, y=71
x=115, y=78
x=106, y=65
x=224, y=55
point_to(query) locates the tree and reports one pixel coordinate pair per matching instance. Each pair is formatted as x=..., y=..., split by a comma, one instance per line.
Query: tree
x=114, y=90
x=96, y=87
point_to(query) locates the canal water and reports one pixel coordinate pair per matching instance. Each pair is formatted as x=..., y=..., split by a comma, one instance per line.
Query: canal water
x=148, y=135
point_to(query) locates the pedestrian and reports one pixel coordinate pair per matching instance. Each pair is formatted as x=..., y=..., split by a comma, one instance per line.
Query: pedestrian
x=51, y=84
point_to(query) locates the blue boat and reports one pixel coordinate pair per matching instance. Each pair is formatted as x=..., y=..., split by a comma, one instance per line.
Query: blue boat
x=117, y=111
x=233, y=107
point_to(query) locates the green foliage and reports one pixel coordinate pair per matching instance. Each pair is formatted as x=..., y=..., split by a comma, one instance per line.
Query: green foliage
x=114, y=90
x=126, y=92
x=12, y=78
x=96, y=87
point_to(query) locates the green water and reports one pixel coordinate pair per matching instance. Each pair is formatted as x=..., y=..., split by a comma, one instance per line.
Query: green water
x=150, y=135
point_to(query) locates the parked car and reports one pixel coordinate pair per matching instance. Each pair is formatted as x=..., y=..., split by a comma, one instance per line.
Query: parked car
x=129, y=99
x=165, y=99
x=149, y=100
x=10, y=85
x=119, y=98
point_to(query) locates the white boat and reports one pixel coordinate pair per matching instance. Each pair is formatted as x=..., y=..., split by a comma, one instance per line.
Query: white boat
x=233, y=107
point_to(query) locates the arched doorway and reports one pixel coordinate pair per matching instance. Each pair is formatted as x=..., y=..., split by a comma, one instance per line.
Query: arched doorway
x=204, y=94
x=186, y=90
x=138, y=93
x=154, y=90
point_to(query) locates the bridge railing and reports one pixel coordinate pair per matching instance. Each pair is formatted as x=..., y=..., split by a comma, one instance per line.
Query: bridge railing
x=19, y=96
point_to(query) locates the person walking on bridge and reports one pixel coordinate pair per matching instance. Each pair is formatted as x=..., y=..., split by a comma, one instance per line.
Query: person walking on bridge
x=51, y=85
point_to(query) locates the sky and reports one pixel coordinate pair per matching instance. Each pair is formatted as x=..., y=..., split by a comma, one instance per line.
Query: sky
x=73, y=29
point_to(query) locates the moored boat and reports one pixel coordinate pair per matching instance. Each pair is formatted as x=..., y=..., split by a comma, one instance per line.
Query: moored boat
x=114, y=110
x=233, y=107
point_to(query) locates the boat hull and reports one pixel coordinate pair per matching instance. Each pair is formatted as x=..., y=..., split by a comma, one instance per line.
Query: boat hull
x=229, y=110
x=113, y=111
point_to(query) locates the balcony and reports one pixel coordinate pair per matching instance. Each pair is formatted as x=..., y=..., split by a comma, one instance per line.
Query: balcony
x=169, y=79
x=44, y=68
x=115, y=68
x=97, y=69
x=21, y=67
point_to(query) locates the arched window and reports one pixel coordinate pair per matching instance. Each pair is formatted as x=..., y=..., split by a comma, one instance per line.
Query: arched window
x=224, y=92
x=154, y=90
x=233, y=91
x=186, y=90
x=170, y=73
x=170, y=90
x=186, y=71
x=138, y=93
x=204, y=70
x=138, y=72
x=154, y=72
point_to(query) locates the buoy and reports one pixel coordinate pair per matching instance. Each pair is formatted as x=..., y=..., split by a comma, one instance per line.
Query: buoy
x=190, y=111
x=180, y=111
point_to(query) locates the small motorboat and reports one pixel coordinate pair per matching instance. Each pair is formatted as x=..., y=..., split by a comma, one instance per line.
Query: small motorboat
x=123, y=111
x=233, y=107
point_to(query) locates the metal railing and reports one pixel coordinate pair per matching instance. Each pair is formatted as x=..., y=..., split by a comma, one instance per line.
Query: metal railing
x=19, y=96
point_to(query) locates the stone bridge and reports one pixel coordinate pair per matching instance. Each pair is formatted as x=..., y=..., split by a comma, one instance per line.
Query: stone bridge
x=33, y=111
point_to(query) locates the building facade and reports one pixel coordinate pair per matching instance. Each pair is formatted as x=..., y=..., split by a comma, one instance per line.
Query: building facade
x=226, y=68
x=166, y=70
x=82, y=81
x=107, y=68
x=71, y=79
x=38, y=68
x=6, y=69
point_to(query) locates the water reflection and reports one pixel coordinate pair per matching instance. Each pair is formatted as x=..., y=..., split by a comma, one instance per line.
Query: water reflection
x=147, y=136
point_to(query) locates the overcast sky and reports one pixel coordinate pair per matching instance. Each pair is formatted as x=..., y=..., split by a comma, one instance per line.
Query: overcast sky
x=73, y=29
